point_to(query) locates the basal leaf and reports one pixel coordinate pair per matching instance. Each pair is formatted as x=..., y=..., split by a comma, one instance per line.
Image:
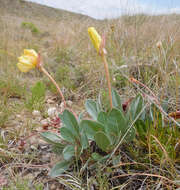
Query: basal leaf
x=68, y=152
x=51, y=138
x=102, y=118
x=91, y=127
x=84, y=140
x=59, y=168
x=102, y=141
x=117, y=123
x=70, y=122
x=67, y=135
x=92, y=108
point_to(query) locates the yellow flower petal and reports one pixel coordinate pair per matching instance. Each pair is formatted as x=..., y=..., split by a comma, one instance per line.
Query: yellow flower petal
x=25, y=60
x=30, y=52
x=95, y=38
x=28, y=60
x=24, y=68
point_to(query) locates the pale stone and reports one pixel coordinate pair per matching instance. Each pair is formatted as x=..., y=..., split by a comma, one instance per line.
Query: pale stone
x=52, y=112
x=159, y=44
x=69, y=103
x=36, y=113
x=44, y=122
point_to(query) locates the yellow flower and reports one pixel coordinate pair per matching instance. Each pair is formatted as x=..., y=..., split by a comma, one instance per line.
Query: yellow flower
x=95, y=38
x=28, y=60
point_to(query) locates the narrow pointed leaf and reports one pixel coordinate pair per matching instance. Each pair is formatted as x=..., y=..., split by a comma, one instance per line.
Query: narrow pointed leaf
x=116, y=100
x=135, y=107
x=51, y=137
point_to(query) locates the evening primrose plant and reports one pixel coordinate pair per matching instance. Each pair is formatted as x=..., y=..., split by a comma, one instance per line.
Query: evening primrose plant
x=31, y=60
x=106, y=130
x=73, y=140
x=109, y=127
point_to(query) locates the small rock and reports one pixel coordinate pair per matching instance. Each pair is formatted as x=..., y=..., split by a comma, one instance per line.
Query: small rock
x=69, y=103
x=62, y=106
x=33, y=147
x=36, y=113
x=52, y=112
x=43, y=147
x=44, y=122
x=53, y=187
x=46, y=158
x=50, y=101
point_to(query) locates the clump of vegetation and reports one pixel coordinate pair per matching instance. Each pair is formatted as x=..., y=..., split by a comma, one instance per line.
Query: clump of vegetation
x=30, y=26
x=12, y=88
x=24, y=184
x=64, y=56
x=37, y=98
x=106, y=130
x=95, y=149
x=61, y=76
x=5, y=113
x=86, y=144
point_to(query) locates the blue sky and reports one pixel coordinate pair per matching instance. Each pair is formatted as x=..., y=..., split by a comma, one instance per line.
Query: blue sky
x=162, y=3
x=101, y=9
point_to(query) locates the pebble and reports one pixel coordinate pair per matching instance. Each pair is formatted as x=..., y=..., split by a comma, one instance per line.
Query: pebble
x=69, y=103
x=44, y=122
x=159, y=44
x=46, y=158
x=36, y=113
x=52, y=112
x=49, y=101
x=33, y=147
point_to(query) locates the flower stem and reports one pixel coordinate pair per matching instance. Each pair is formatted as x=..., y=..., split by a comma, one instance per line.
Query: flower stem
x=107, y=77
x=54, y=82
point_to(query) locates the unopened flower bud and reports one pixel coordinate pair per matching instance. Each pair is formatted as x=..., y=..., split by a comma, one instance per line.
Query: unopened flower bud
x=159, y=44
